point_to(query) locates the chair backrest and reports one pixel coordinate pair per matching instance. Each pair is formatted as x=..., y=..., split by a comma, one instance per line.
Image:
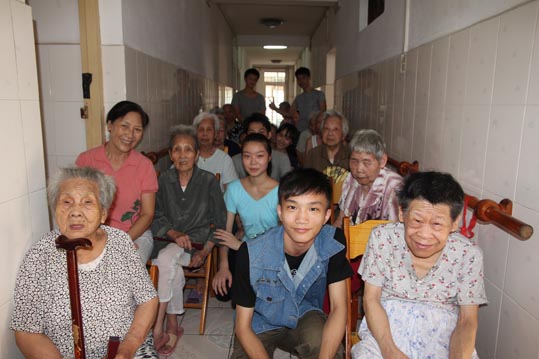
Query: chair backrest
x=357, y=236
x=356, y=242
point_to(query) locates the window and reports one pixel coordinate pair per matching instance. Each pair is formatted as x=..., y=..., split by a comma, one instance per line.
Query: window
x=376, y=8
x=274, y=91
x=369, y=10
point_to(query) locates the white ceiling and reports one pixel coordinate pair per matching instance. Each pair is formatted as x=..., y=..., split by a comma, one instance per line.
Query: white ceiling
x=301, y=18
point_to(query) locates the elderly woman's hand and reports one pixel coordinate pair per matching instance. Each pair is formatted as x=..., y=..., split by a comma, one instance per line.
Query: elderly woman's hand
x=180, y=238
x=198, y=259
x=227, y=239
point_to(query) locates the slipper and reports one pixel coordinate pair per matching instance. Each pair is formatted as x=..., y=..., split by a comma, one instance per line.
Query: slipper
x=173, y=340
x=161, y=341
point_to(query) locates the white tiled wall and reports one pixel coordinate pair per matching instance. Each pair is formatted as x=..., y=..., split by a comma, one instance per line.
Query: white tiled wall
x=169, y=94
x=23, y=210
x=474, y=114
x=61, y=100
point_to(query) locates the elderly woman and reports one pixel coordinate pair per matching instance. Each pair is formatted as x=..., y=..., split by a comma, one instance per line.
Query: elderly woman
x=332, y=151
x=136, y=181
x=424, y=282
x=369, y=190
x=211, y=158
x=189, y=208
x=117, y=296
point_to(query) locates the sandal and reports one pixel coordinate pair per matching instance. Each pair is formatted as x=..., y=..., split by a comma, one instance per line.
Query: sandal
x=170, y=345
x=161, y=341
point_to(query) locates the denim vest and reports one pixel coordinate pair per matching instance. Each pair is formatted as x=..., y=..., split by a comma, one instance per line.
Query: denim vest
x=281, y=300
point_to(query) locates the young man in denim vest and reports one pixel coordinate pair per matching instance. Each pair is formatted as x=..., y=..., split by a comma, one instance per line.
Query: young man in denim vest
x=282, y=276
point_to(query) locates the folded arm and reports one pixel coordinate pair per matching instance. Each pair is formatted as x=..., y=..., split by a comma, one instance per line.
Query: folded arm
x=36, y=346
x=142, y=322
x=145, y=219
x=379, y=323
x=462, y=342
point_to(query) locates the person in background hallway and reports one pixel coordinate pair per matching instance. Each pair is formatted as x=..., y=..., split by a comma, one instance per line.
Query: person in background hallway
x=316, y=130
x=370, y=189
x=306, y=134
x=309, y=101
x=234, y=128
x=332, y=151
x=248, y=101
x=211, y=158
x=221, y=142
x=282, y=276
x=189, y=208
x=116, y=294
x=254, y=199
x=286, y=140
x=423, y=280
x=136, y=180
x=273, y=137
x=280, y=164
x=288, y=116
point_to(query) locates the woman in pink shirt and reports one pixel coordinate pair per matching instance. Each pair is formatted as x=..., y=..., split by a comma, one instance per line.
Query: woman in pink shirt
x=133, y=208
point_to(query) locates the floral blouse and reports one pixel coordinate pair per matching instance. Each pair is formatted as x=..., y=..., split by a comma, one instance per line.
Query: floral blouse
x=456, y=279
x=379, y=203
x=111, y=287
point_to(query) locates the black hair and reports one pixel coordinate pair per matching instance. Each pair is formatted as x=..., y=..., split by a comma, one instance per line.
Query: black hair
x=259, y=138
x=122, y=108
x=433, y=187
x=304, y=181
x=257, y=117
x=251, y=71
x=303, y=71
x=291, y=132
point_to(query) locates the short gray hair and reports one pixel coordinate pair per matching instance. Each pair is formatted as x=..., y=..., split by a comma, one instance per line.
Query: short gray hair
x=105, y=184
x=204, y=115
x=334, y=113
x=368, y=141
x=182, y=130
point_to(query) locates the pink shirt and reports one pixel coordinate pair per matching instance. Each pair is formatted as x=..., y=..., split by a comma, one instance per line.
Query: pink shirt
x=135, y=177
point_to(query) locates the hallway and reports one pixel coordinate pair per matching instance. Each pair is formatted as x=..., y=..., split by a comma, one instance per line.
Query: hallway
x=453, y=85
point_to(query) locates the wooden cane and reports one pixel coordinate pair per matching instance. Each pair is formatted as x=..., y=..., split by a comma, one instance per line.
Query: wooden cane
x=70, y=246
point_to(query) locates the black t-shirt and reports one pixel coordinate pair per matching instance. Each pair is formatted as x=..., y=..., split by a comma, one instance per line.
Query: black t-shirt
x=244, y=295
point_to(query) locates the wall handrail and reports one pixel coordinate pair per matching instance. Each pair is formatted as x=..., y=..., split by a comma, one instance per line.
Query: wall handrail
x=486, y=210
x=156, y=156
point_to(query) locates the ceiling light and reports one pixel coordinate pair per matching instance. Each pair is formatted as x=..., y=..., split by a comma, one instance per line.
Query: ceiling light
x=271, y=22
x=275, y=47
x=276, y=61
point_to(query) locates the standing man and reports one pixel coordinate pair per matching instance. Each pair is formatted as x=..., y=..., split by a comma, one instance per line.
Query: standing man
x=281, y=277
x=248, y=101
x=311, y=100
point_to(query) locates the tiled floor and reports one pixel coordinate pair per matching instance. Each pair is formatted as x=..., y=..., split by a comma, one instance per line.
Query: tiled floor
x=216, y=343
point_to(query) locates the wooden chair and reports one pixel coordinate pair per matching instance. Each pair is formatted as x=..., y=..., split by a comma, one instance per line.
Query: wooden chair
x=153, y=271
x=206, y=272
x=356, y=242
x=335, y=197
